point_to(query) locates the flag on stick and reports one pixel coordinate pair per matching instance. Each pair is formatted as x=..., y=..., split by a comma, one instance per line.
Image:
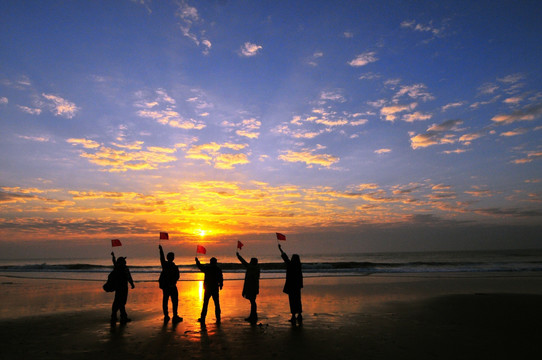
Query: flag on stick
x=164, y=236
x=240, y=245
x=115, y=242
x=201, y=250
x=281, y=236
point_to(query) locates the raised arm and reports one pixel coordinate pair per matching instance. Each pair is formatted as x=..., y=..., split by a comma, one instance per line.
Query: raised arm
x=162, y=257
x=243, y=261
x=198, y=264
x=113, y=258
x=284, y=256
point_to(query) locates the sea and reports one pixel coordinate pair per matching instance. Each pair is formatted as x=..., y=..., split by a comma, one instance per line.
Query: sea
x=272, y=267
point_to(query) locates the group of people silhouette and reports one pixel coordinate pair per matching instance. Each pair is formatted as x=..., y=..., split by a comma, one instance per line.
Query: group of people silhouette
x=212, y=283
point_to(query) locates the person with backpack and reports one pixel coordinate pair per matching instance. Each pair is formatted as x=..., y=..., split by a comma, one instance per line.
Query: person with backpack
x=168, y=283
x=120, y=277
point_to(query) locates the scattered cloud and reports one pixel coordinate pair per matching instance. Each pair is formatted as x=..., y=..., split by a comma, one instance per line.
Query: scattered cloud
x=249, y=49
x=29, y=110
x=189, y=21
x=363, y=59
x=528, y=113
x=309, y=157
x=220, y=156
x=452, y=105
x=60, y=106
x=436, y=134
x=390, y=112
x=382, y=151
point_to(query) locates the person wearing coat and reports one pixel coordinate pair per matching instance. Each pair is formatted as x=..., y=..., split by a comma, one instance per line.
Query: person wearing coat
x=293, y=285
x=168, y=283
x=122, y=277
x=251, y=287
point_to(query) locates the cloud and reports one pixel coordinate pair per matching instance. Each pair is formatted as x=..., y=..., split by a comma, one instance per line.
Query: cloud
x=531, y=156
x=60, y=106
x=467, y=138
x=363, y=59
x=189, y=18
x=219, y=156
x=382, y=151
x=29, y=110
x=436, y=134
x=528, y=113
x=416, y=116
x=515, y=132
x=131, y=157
x=416, y=91
x=332, y=96
x=452, y=105
x=3, y=100
x=246, y=128
x=35, y=138
x=309, y=157
x=249, y=49
x=87, y=144
x=412, y=24
x=389, y=112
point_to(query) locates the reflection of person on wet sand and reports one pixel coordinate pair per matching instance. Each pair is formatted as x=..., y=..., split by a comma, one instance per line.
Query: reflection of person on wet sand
x=251, y=287
x=168, y=284
x=293, y=285
x=212, y=283
x=121, y=278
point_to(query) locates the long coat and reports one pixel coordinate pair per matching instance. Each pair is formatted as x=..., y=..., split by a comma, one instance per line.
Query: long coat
x=251, y=287
x=294, y=275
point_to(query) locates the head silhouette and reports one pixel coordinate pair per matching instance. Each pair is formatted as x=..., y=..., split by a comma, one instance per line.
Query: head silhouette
x=295, y=259
x=254, y=261
x=170, y=256
x=121, y=261
x=213, y=261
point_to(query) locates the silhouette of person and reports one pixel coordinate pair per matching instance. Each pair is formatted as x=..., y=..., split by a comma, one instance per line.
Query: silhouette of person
x=251, y=287
x=212, y=283
x=168, y=284
x=293, y=285
x=122, y=277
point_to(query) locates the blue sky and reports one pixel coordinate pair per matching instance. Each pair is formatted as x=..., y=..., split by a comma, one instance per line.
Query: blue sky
x=382, y=125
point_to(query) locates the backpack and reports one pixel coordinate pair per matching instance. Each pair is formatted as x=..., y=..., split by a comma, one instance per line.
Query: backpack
x=111, y=283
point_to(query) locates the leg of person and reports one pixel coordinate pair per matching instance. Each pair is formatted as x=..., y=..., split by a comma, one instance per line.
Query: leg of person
x=206, y=297
x=253, y=310
x=292, y=301
x=175, y=304
x=165, y=298
x=122, y=306
x=114, y=308
x=216, y=300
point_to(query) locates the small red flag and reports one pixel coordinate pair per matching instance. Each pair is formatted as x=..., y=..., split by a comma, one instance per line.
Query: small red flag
x=281, y=236
x=164, y=236
x=201, y=250
x=240, y=245
x=115, y=242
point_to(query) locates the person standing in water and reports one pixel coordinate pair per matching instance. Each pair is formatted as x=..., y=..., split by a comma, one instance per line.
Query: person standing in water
x=168, y=283
x=251, y=287
x=293, y=285
x=212, y=283
x=121, y=278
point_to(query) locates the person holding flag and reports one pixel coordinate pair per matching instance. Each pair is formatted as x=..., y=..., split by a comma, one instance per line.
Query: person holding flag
x=168, y=283
x=251, y=287
x=120, y=277
x=212, y=283
x=293, y=285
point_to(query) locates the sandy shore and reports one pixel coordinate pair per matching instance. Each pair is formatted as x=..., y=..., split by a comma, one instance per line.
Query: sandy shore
x=489, y=316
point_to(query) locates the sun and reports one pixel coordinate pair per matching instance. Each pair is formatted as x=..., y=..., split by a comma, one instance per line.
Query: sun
x=201, y=232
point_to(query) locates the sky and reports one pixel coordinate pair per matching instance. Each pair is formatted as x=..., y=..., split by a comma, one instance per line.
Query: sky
x=349, y=126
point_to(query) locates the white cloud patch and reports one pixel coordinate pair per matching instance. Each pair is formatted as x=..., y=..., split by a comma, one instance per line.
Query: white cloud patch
x=3, y=100
x=389, y=113
x=528, y=113
x=60, y=106
x=363, y=59
x=189, y=21
x=249, y=49
x=29, y=110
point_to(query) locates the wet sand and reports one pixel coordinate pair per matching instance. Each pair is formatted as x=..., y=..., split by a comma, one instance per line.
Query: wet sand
x=425, y=316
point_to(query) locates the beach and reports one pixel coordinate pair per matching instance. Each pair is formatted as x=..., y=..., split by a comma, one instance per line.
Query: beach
x=414, y=316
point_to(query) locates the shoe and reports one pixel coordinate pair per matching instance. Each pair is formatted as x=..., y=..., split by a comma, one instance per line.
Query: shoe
x=113, y=319
x=177, y=319
x=299, y=319
x=292, y=319
x=125, y=320
x=166, y=318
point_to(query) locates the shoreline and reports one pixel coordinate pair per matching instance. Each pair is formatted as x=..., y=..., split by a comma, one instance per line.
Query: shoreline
x=375, y=317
